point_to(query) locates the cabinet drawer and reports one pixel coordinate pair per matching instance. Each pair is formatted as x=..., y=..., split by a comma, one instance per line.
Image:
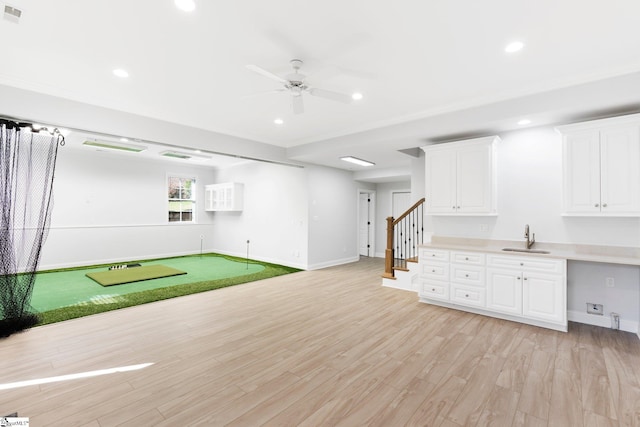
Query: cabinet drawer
x=473, y=258
x=545, y=265
x=467, y=274
x=434, y=255
x=467, y=295
x=434, y=270
x=434, y=289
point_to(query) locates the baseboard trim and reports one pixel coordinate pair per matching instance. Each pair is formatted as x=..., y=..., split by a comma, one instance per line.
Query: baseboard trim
x=333, y=263
x=602, y=321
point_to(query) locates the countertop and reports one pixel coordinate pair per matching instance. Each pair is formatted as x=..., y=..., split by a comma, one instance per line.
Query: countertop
x=573, y=252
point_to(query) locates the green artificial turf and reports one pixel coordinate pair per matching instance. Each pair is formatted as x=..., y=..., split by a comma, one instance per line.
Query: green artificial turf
x=66, y=294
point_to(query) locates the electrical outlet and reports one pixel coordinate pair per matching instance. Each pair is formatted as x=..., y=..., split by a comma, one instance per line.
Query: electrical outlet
x=595, y=309
x=609, y=282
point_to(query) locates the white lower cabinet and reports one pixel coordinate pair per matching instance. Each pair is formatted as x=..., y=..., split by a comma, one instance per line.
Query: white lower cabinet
x=526, y=289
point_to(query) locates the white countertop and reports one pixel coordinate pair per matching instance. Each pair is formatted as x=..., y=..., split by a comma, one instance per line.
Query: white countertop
x=591, y=253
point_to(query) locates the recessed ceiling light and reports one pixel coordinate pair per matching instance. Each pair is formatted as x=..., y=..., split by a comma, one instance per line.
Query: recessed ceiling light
x=356, y=96
x=524, y=122
x=357, y=161
x=119, y=72
x=186, y=5
x=278, y=121
x=514, y=47
x=124, y=140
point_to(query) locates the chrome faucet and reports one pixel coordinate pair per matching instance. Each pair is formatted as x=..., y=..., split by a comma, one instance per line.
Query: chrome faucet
x=531, y=241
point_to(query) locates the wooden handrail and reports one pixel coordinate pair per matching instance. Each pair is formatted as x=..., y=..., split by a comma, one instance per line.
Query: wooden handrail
x=389, y=253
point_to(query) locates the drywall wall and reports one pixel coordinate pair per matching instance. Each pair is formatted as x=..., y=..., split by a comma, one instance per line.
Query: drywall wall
x=274, y=218
x=333, y=208
x=529, y=174
x=112, y=207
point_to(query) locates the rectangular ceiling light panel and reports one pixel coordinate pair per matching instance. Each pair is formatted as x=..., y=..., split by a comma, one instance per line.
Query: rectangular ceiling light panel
x=357, y=161
x=133, y=148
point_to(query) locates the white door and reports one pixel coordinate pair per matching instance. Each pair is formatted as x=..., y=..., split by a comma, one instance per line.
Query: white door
x=620, y=170
x=440, y=174
x=504, y=291
x=582, y=172
x=544, y=297
x=366, y=209
x=473, y=183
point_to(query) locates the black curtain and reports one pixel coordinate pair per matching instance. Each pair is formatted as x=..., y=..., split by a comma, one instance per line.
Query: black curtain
x=27, y=165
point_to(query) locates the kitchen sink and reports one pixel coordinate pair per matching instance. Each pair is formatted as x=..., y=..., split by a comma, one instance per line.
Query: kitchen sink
x=529, y=251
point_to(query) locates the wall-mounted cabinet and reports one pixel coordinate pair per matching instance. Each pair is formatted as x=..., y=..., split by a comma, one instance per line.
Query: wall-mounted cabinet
x=601, y=175
x=228, y=196
x=461, y=177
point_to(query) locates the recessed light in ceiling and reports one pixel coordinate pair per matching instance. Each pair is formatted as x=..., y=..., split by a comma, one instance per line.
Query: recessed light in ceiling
x=124, y=140
x=119, y=72
x=278, y=121
x=357, y=161
x=186, y=5
x=514, y=47
x=356, y=96
x=524, y=122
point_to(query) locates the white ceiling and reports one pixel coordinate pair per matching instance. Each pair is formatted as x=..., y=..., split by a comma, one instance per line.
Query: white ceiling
x=429, y=70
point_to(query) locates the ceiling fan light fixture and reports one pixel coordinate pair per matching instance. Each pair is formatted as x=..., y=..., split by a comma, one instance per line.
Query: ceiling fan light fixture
x=357, y=161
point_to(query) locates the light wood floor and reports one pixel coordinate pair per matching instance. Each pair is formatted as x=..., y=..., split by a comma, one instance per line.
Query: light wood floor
x=320, y=348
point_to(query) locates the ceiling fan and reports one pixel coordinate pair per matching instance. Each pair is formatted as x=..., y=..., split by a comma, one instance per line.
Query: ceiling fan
x=295, y=84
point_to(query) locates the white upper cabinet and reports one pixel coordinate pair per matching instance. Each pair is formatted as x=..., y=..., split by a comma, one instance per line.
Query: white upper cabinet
x=227, y=196
x=602, y=167
x=461, y=177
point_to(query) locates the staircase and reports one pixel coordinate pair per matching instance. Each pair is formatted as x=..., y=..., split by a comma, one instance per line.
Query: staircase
x=404, y=235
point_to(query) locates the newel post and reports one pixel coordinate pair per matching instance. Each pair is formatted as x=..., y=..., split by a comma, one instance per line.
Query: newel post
x=388, y=253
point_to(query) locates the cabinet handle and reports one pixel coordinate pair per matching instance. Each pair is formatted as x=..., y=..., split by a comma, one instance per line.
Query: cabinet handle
x=433, y=289
x=433, y=254
x=433, y=271
x=518, y=278
x=466, y=295
x=466, y=258
x=525, y=278
x=458, y=207
x=453, y=207
x=597, y=205
x=522, y=263
x=466, y=275
x=604, y=205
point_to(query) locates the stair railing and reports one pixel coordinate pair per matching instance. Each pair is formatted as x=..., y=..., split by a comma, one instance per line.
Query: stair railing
x=404, y=234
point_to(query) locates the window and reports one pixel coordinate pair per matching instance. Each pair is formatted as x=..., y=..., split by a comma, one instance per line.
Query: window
x=182, y=199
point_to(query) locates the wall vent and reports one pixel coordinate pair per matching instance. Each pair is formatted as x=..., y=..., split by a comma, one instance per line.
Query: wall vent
x=110, y=145
x=12, y=14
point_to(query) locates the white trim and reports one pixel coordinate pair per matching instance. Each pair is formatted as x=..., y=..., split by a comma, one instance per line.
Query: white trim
x=602, y=321
x=372, y=220
x=333, y=263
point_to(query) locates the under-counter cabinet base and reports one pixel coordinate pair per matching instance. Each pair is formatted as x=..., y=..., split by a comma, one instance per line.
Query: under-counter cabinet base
x=530, y=290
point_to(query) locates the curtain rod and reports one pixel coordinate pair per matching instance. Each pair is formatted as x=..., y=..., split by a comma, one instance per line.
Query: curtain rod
x=13, y=124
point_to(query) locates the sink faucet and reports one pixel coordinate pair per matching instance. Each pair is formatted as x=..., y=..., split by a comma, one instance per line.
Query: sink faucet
x=531, y=241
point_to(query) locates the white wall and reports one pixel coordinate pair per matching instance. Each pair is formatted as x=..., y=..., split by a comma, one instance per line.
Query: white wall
x=112, y=207
x=333, y=222
x=530, y=192
x=274, y=218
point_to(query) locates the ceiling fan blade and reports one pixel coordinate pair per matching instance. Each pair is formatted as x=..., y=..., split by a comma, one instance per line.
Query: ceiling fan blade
x=297, y=105
x=266, y=73
x=334, y=96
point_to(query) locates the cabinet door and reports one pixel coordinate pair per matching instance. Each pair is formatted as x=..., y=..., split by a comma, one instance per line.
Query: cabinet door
x=582, y=172
x=504, y=291
x=474, y=179
x=620, y=170
x=544, y=297
x=440, y=173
